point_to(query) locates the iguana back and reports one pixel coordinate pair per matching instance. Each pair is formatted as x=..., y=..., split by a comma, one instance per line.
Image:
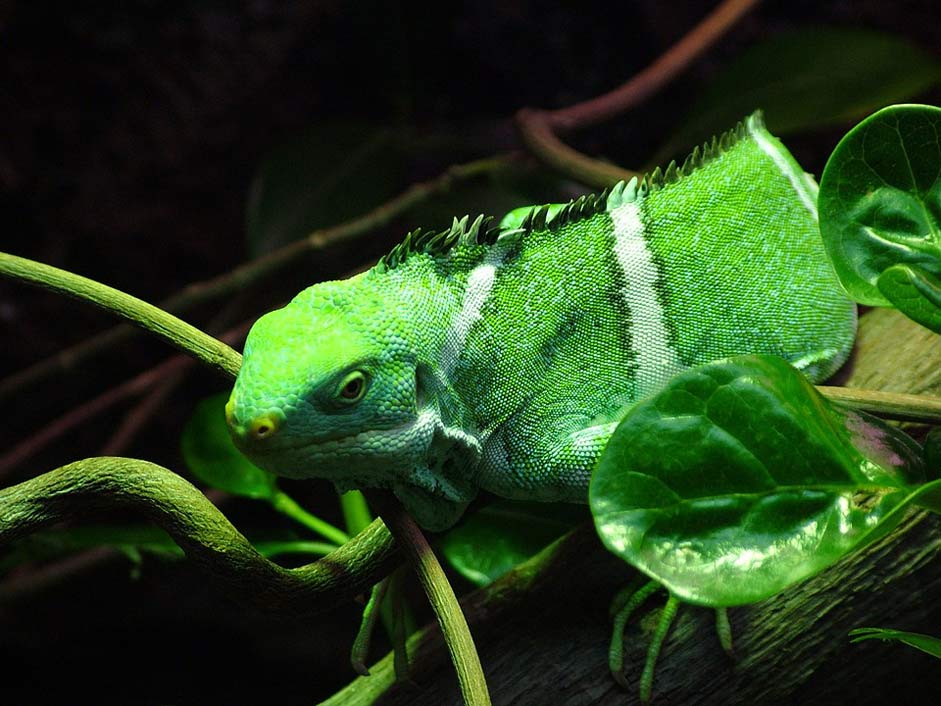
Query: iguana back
x=618, y=293
x=503, y=359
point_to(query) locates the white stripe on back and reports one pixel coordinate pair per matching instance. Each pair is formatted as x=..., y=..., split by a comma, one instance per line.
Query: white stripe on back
x=803, y=184
x=656, y=361
x=479, y=285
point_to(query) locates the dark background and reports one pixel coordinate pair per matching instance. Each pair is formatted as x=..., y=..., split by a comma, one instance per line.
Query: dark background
x=130, y=133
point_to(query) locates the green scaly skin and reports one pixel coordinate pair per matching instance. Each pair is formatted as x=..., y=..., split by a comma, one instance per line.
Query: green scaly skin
x=503, y=358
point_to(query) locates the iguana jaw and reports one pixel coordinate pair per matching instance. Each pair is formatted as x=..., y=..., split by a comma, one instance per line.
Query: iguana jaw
x=391, y=454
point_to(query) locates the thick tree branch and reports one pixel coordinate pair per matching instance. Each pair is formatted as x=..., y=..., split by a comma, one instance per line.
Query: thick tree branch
x=201, y=530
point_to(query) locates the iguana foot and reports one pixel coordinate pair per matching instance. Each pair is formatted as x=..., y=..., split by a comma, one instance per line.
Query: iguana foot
x=623, y=606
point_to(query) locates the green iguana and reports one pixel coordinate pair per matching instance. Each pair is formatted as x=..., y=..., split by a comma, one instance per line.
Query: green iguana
x=503, y=358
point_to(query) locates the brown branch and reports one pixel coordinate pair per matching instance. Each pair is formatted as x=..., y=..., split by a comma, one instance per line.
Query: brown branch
x=257, y=270
x=536, y=131
x=84, y=412
x=658, y=74
x=137, y=385
x=143, y=412
x=539, y=128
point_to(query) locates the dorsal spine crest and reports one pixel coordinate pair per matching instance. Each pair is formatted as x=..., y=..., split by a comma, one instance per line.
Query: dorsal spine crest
x=482, y=231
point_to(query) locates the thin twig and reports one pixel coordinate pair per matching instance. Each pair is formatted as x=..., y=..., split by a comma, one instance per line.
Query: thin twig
x=137, y=385
x=146, y=408
x=658, y=74
x=539, y=129
x=258, y=270
x=84, y=412
x=138, y=417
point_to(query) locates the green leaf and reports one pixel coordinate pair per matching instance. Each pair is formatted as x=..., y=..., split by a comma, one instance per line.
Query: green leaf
x=913, y=292
x=880, y=207
x=501, y=535
x=808, y=79
x=212, y=457
x=739, y=479
x=925, y=643
x=327, y=175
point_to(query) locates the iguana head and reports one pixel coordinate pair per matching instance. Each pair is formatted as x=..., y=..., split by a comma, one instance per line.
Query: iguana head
x=327, y=389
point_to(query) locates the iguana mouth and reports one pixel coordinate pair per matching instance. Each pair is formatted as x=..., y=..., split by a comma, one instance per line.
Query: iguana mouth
x=338, y=439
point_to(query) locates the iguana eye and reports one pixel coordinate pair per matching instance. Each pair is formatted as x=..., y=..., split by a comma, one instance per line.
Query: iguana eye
x=352, y=387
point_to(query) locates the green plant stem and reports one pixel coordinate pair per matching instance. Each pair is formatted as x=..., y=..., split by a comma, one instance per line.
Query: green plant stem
x=485, y=606
x=261, y=269
x=630, y=600
x=275, y=548
x=201, y=530
x=894, y=405
x=724, y=630
x=359, y=653
x=440, y=595
x=286, y=505
x=356, y=513
x=175, y=331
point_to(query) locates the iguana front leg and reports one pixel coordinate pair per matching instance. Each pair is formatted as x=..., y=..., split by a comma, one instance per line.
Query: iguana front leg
x=437, y=493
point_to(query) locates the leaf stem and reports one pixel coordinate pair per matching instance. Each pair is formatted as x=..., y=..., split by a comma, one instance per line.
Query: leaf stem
x=356, y=513
x=627, y=602
x=286, y=505
x=656, y=644
x=359, y=652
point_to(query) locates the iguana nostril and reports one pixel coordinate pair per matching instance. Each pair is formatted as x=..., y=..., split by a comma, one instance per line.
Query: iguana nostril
x=263, y=427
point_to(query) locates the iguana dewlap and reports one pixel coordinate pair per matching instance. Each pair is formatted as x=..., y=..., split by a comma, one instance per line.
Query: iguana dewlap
x=502, y=359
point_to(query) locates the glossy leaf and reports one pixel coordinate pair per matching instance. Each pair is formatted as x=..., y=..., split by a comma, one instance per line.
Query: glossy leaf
x=880, y=210
x=501, y=535
x=739, y=479
x=914, y=292
x=925, y=643
x=808, y=79
x=212, y=457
